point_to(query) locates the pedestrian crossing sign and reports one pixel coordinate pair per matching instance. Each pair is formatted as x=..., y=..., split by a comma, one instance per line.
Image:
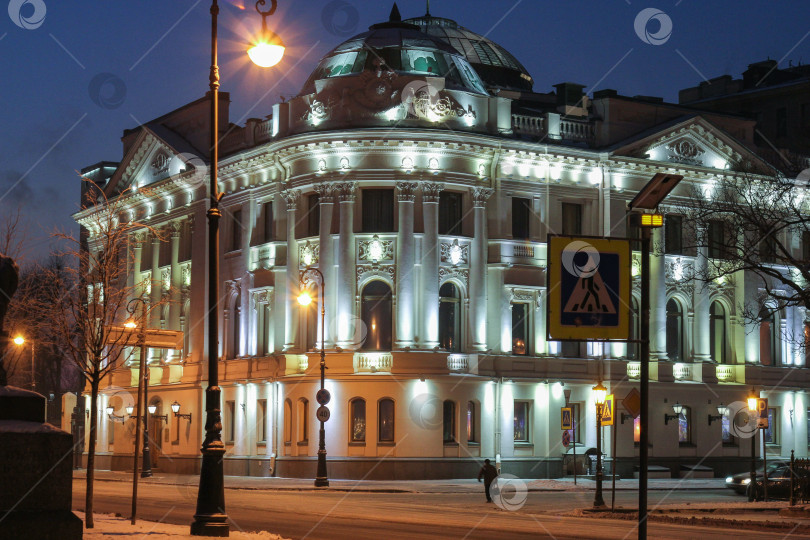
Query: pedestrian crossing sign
x=608, y=411
x=566, y=420
x=589, y=289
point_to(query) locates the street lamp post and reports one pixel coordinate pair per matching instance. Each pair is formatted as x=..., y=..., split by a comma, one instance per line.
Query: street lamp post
x=321, y=477
x=752, y=407
x=140, y=414
x=20, y=341
x=599, y=394
x=210, y=518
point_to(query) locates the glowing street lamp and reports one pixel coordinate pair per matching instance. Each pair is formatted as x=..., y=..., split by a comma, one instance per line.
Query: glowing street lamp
x=752, y=409
x=20, y=341
x=269, y=49
x=210, y=518
x=305, y=298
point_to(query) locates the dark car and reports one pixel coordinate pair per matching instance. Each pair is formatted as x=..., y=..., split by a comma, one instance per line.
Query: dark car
x=779, y=484
x=739, y=482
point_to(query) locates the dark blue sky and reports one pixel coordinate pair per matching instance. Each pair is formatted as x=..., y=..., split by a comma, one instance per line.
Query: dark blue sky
x=73, y=81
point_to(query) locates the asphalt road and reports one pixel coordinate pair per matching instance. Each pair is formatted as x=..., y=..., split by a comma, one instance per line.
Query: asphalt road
x=355, y=516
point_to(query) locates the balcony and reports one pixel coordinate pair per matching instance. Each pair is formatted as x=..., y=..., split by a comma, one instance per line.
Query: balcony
x=553, y=127
x=458, y=363
x=682, y=372
x=373, y=362
x=725, y=373
x=518, y=252
x=634, y=370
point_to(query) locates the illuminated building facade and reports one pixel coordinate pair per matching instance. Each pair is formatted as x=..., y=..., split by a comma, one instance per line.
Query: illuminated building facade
x=421, y=174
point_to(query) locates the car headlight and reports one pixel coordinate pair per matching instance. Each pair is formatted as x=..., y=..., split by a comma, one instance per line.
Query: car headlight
x=729, y=479
x=746, y=481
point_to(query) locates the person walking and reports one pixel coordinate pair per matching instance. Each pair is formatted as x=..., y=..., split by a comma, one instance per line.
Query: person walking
x=489, y=473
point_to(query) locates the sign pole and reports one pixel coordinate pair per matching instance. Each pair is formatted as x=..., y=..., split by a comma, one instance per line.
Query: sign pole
x=645, y=383
x=574, y=441
x=613, y=468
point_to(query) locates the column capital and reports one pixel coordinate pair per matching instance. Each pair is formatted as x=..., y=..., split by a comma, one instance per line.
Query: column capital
x=326, y=192
x=431, y=191
x=345, y=191
x=174, y=228
x=140, y=238
x=480, y=196
x=291, y=196
x=407, y=191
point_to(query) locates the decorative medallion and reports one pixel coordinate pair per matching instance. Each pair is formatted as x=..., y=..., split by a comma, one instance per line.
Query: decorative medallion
x=685, y=151
x=376, y=250
x=454, y=253
x=308, y=254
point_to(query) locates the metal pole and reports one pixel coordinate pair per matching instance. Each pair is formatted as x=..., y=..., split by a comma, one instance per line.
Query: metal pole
x=645, y=383
x=613, y=430
x=321, y=478
x=146, y=470
x=598, y=501
x=764, y=465
x=210, y=518
x=141, y=363
x=753, y=481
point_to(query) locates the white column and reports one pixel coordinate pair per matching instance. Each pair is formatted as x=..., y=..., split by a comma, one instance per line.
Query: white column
x=346, y=284
x=155, y=296
x=292, y=197
x=176, y=306
x=701, y=302
x=134, y=277
x=406, y=278
x=326, y=262
x=430, y=265
x=478, y=270
x=658, y=300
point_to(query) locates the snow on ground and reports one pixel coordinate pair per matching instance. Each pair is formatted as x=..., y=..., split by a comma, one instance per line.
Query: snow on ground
x=109, y=527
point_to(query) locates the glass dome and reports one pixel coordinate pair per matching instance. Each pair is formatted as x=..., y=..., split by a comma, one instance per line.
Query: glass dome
x=402, y=48
x=496, y=66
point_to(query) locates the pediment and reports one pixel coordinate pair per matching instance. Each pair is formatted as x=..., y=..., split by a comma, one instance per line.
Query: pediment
x=694, y=142
x=150, y=160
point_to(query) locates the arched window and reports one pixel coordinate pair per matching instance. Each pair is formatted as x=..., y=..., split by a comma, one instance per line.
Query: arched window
x=303, y=420
x=685, y=426
x=358, y=419
x=634, y=349
x=675, y=348
x=449, y=421
x=449, y=318
x=287, y=421
x=376, y=315
x=385, y=415
x=520, y=329
x=767, y=337
x=717, y=332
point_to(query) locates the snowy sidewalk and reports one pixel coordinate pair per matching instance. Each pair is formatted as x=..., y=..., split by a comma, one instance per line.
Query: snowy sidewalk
x=109, y=527
x=404, y=486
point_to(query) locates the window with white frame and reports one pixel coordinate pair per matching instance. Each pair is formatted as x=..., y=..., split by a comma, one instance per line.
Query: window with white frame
x=522, y=421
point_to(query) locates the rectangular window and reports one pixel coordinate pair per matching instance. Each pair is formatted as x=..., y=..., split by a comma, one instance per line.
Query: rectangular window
x=471, y=434
x=111, y=436
x=261, y=421
x=767, y=247
x=520, y=329
x=378, y=210
x=313, y=215
x=571, y=219
x=771, y=433
x=236, y=230
x=718, y=240
x=449, y=421
x=806, y=246
x=269, y=232
x=521, y=210
x=727, y=436
x=781, y=122
x=230, y=410
x=521, y=421
x=450, y=213
x=685, y=426
x=673, y=229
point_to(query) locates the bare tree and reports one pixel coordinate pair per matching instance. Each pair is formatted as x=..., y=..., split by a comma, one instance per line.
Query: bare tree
x=87, y=295
x=758, y=226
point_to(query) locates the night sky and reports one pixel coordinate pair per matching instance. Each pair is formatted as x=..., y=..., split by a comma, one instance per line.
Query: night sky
x=73, y=80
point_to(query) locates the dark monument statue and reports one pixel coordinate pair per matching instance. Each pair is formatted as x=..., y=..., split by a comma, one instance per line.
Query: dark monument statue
x=9, y=277
x=35, y=472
